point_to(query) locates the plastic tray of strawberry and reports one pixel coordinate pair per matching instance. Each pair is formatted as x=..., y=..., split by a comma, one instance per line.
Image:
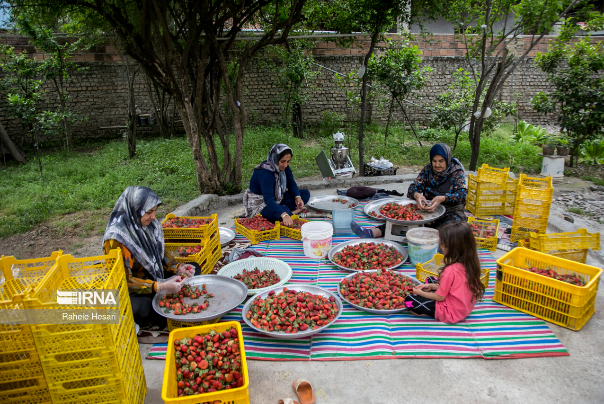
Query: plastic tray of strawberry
x=185, y=222
x=227, y=294
x=208, y=363
x=256, y=223
x=362, y=255
x=292, y=313
x=257, y=279
x=550, y=273
x=185, y=251
x=483, y=230
x=174, y=303
x=377, y=291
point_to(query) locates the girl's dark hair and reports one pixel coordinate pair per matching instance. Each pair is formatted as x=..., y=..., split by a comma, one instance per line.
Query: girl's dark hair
x=285, y=153
x=460, y=246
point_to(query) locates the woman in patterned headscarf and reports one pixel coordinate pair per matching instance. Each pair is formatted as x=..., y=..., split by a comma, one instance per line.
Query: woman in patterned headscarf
x=134, y=229
x=273, y=193
x=441, y=182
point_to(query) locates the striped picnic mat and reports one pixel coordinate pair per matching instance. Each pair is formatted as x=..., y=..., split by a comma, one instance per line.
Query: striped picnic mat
x=492, y=331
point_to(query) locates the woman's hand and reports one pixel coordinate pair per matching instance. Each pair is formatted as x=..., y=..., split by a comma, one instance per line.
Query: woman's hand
x=170, y=285
x=299, y=202
x=434, y=203
x=186, y=269
x=287, y=220
x=421, y=201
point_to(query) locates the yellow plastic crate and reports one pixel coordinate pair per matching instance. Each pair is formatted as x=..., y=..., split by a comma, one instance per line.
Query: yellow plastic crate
x=492, y=174
x=534, y=188
x=173, y=324
x=257, y=236
x=559, y=302
x=31, y=391
x=55, y=339
x=169, y=392
x=20, y=276
x=201, y=233
x=572, y=255
x=17, y=366
x=483, y=240
x=212, y=255
x=431, y=268
x=576, y=240
x=16, y=338
x=482, y=209
x=116, y=388
x=292, y=233
x=199, y=257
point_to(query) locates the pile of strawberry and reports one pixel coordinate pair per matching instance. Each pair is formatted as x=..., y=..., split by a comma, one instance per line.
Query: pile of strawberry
x=207, y=363
x=482, y=230
x=290, y=311
x=381, y=290
x=256, y=279
x=185, y=251
x=398, y=212
x=257, y=223
x=550, y=273
x=185, y=222
x=365, y=256
x=176, y=301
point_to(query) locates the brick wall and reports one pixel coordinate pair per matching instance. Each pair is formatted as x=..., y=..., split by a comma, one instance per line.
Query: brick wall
x=100, y=93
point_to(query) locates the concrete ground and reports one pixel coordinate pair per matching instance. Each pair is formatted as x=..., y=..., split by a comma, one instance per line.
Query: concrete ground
x=578, y=378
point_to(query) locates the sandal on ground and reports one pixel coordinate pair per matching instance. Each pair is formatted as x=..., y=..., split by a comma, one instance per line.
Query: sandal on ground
x=287, y=401
x=305, y=392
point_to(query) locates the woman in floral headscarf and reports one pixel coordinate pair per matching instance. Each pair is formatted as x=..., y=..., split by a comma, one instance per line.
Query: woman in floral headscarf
x=441, y=182
x=134, y=229
x=273, y=193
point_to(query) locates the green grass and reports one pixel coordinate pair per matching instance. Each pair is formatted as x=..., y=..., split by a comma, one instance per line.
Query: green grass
x=93, y=180
x=594, y=179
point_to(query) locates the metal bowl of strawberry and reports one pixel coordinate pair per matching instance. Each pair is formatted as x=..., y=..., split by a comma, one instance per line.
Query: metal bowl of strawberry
x=202, y=298
x=362, y=255
x=292, y=312
x=377, y=291
x=405, y=212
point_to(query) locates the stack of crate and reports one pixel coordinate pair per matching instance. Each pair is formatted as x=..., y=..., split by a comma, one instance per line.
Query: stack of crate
x=206, y=236
x=572, y=246
x=88, y=363
x=491, y=192
x=531, y=210
x=21, y=374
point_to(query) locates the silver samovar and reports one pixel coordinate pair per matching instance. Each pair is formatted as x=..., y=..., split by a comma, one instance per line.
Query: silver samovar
x=339, y=162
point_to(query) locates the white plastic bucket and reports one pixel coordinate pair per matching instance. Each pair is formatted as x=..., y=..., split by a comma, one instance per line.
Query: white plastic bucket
x=316, y=238
x=422, y=244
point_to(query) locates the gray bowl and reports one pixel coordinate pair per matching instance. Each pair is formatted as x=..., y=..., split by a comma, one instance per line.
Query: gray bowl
x=337, y=248
x=374, y=311
x=298, y=288
x=429, y=217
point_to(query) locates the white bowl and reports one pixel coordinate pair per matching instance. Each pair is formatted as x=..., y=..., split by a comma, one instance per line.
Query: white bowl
x=282, y=269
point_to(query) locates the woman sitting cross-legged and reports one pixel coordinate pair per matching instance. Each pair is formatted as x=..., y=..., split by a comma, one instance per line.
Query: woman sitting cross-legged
x=442, y=182
x=273, y=193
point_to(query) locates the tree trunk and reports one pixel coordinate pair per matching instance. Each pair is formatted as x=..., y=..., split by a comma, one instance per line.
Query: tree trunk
x=410, y=124
x=131, y=127
x=374, y=39
x=390, y=109
x=297, y=127
x=5, y=139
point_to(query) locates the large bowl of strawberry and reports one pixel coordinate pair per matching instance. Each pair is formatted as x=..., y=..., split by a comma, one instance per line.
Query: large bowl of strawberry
x=363, y=255
x=405, y=212
x=297, y=311
x=377, y=291
x=258, y=272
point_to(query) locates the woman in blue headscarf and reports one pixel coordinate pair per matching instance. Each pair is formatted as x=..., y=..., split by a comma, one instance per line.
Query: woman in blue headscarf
x=273, y=193
x=441, y=182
